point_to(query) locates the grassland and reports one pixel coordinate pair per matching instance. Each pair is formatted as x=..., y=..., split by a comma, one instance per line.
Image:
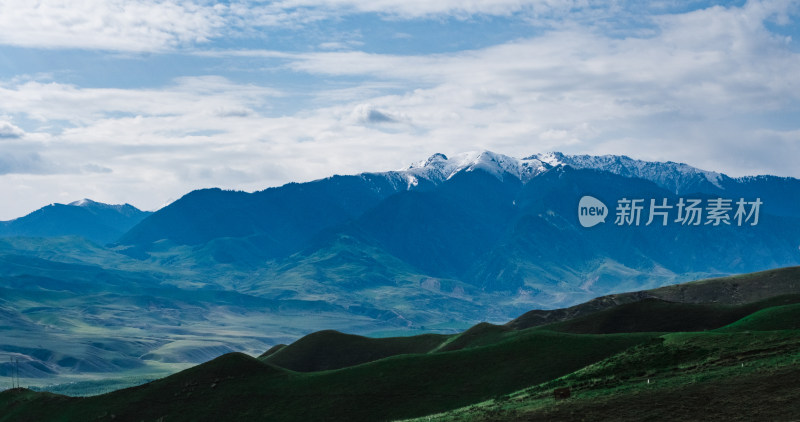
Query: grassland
x=643, y=358
x=371, y=391
x=741, y=376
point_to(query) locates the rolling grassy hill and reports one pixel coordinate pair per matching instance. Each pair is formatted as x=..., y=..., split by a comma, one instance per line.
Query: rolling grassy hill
x=732, y=290
x=238, y=387
x=742, y=376
x=786, y=317
x=331, y=349
x=737, y=353
x=651, y=315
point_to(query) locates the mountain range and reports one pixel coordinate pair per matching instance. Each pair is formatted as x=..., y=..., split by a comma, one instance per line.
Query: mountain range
x=494, y=222
x=432, y=248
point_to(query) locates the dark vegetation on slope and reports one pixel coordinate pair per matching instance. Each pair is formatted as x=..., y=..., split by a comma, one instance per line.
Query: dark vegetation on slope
x=330, y=349
x=720, y=376
x=656, y=315
x=237, y=387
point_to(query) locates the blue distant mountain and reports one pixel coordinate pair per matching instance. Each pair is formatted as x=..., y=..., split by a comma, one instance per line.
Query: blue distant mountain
x=100, y=223
x=494, y=222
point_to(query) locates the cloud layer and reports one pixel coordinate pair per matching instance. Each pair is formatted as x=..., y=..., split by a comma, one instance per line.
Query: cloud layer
x=138, y=25
x=713, y=86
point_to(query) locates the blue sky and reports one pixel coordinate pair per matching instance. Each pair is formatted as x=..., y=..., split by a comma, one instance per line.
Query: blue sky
x=141, y=101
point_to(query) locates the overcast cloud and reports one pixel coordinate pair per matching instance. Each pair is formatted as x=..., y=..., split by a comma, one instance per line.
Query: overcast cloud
x=143, y=101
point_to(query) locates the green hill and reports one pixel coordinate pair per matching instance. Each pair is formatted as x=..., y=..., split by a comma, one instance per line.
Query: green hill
x=733, y=290
x=330, y=349
x=656, y=315
x=237, y=387
x=786, y=317
x=741, y=376
x=638, y=355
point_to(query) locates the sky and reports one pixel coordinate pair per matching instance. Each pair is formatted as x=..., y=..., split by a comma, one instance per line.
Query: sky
x=142, y=101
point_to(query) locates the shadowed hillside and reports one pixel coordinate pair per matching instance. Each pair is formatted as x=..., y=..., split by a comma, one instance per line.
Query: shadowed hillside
x=330, y=349
x=731, y=290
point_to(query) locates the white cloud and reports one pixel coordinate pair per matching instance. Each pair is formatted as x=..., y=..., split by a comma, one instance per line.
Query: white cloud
x=669, y=72
x=700, y=88
x=9, y=131
x=426, y=8
x=160, y=25
x=201, y=96
x=126, y=25
x=31, y=163
x=371, y=115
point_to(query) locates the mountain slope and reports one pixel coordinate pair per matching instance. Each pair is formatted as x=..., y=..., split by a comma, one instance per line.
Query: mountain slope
x=274, y=222
x=683, y=376
x=545, y=248
x=443, y=231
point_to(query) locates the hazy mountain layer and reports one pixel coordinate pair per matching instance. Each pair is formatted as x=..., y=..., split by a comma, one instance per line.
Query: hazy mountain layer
x=100, y=223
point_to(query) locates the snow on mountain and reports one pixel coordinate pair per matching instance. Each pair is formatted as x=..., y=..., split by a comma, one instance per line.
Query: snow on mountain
x=82, y=202
x=675, y=177
x=87, y=203
x=439, y=167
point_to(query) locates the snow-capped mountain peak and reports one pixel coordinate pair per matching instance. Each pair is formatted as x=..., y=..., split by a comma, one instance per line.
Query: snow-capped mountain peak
x=85, y=202
x=669, y=175
x=94, y=205
x=675, y=177
x=433, y=160
x=553, y=159
x=439, y=167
